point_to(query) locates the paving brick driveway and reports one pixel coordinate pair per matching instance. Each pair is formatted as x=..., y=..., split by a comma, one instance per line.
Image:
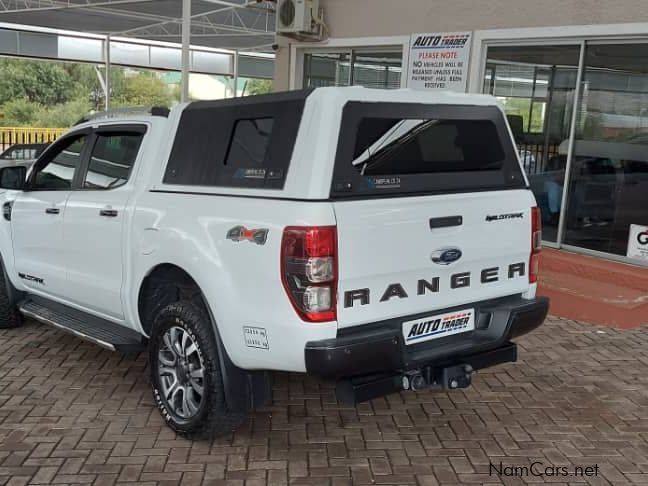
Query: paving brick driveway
x=71, y=413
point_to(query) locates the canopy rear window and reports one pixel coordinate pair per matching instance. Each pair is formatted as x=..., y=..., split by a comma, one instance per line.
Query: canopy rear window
x=388, y=148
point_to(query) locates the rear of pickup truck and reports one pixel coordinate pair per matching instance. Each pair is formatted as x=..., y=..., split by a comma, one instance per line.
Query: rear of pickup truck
x=383, y=239
x=430, y=270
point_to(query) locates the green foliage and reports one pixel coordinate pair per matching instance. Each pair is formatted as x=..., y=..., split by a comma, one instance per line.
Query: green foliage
x=142, y=89
x=22, y=112
x=258, y=86
x=62, y=115
x=18, y=112
x=39, y=82
x=57, y=94
x=521, y=106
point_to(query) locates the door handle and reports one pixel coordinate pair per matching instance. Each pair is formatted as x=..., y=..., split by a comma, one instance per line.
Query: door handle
x=446, y=222
x=108, y=213
x=52, y=210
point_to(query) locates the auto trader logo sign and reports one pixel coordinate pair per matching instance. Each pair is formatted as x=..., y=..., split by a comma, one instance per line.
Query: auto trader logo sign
x=638, y=242
x=439, y=61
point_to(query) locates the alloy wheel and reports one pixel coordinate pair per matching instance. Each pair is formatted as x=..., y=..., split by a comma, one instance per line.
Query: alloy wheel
x=181, y=372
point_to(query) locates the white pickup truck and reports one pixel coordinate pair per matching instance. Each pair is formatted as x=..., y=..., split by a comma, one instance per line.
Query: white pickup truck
x=386, y=240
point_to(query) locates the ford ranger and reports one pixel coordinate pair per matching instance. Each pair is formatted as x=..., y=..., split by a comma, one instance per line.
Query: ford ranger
x=384, y=240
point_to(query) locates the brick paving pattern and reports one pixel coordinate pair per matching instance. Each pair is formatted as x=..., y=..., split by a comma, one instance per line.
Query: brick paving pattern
x=71, y=413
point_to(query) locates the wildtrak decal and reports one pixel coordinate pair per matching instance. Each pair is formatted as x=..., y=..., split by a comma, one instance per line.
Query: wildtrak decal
x=31, y=278
x=498, y=217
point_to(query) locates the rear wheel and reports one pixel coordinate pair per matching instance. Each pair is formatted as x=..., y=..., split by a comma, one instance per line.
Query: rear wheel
x=186, y=374
x=9, y=315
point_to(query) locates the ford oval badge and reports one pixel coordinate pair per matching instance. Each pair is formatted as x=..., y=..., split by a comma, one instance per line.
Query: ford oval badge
x=446, y=256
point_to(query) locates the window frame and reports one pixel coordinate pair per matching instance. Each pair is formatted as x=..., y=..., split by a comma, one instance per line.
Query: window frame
x=53, y=151
x=127, y=129
x=347, y=182
x=218, y=117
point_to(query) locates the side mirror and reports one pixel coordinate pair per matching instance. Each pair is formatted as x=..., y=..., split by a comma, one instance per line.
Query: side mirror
x=13, y=177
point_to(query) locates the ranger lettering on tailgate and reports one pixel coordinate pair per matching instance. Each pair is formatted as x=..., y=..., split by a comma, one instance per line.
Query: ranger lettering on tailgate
x=457, y=281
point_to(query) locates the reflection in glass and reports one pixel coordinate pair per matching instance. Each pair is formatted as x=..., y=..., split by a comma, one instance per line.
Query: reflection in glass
x=359, y=68
x=111, y=161
x=327, y=69
x=59, y=172
x=377, y=69
x=608, y=187
x=536, y=86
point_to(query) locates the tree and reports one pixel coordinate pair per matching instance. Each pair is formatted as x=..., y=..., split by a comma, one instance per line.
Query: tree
x=57, y=94
x=142, y=89
x=18, y=112
x=40, y=82
x=258, y=86
x=61, y=115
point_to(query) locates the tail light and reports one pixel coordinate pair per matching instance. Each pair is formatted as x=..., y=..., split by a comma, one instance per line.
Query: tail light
x=536, y=244
x=309, y=270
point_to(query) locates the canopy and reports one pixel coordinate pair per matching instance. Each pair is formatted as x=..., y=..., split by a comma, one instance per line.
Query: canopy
x=229, y=24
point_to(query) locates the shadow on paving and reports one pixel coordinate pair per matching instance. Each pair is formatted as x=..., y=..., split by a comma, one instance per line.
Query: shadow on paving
x=72, y=413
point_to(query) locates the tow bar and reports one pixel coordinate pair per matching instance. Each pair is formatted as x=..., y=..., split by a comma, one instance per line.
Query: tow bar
x=450, y=378
x=447, y=376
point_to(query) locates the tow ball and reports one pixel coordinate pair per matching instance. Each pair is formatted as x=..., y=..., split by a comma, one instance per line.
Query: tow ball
x=449, y=378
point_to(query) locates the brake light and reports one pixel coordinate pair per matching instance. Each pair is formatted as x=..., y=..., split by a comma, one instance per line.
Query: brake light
x=309, y=270
x=536, y=244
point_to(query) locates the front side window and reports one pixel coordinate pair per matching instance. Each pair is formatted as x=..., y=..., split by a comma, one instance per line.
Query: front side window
x=57, y=174
x=112, y=160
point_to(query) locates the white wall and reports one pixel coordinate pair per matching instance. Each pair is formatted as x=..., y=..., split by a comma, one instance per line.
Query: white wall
x=376, y=18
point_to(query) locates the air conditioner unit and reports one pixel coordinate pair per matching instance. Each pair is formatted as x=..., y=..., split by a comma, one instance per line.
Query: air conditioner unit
x=296, y=16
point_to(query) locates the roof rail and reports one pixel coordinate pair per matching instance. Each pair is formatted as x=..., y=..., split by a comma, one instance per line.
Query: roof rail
x=116, y=112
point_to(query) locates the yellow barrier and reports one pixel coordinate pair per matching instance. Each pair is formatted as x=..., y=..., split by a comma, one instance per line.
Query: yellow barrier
x=12, y=135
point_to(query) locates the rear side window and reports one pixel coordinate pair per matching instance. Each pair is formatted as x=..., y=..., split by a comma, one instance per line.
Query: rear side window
x=248, y=147
x=409, y=148
x=236, y=143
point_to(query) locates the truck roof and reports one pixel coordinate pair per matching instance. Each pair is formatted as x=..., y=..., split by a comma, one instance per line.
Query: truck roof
x=402, y=95
x=324, y=95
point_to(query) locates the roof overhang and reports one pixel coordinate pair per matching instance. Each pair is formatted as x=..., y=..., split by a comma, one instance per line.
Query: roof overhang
x=244, y=25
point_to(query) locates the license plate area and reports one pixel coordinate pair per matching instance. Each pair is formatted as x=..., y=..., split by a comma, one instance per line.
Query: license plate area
x=438, y=326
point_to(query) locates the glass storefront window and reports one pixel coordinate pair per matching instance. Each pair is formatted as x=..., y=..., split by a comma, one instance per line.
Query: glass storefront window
x=377, y=69
x=327, y=69
x=536, y=86
x=608, y=188
x=362, y=67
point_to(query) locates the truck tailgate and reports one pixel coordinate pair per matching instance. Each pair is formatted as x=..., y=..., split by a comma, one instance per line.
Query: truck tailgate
x=408, y=255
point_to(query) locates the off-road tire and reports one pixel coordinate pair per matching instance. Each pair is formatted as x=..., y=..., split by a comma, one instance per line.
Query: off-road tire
x=9, y=315
x=213, y=418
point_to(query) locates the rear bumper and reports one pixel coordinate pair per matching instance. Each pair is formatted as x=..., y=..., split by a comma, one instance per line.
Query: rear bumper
x=379, y=347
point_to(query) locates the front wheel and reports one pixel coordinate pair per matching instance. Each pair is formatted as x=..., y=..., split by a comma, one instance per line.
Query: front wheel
x=186, y=374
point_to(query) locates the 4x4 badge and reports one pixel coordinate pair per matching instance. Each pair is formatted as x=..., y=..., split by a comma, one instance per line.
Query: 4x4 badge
x=446, y=256
x=240, y=233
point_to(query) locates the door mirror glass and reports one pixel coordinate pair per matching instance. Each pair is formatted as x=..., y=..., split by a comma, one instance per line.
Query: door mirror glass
x=13, y=177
